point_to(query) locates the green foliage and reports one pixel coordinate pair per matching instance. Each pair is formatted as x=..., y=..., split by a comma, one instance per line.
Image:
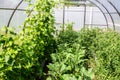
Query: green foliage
x=68, y=62
x=74, y=55
x=23, y=55
x=68, y=65
x=102, y=51
x=86, y=39
x=107, y=55
x=69, y=37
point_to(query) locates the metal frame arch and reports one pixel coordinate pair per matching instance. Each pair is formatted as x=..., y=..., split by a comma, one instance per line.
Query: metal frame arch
x=114, y=7
x=87, y=0
x=84, y=13
x=108, y=13
x=14, y=13
x=12, y=9
x=101, y=11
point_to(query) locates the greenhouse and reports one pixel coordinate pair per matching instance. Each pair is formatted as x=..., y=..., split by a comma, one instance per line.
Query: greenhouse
x=59, y=40
x=102, y=13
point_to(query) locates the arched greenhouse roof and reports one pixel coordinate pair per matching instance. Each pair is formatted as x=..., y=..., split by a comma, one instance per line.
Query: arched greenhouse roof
x=101, y=13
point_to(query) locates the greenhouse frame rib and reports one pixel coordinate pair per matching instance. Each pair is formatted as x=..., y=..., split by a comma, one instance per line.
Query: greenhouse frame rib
x=101, y=11
x=14, y=13
x=107, y=12
x=98, y=3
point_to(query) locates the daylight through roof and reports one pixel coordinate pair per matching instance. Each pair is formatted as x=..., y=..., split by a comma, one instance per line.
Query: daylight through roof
x=92, y=13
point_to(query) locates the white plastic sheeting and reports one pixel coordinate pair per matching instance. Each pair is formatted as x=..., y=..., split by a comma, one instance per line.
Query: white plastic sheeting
x=98, y=13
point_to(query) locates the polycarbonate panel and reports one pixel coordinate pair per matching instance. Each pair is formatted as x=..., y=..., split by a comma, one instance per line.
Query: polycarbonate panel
x=116, y=3
x=9, y=3
x=23, y=5
x=95, y=16
x=110, y=23
x=107, y=5
x=72, y=14
x=98, y=18
x=17, y=20
x=58, y=14
x=116, y=18
x=89, y=15
x=4, y=17
x=98, y=5
x=75, y=15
